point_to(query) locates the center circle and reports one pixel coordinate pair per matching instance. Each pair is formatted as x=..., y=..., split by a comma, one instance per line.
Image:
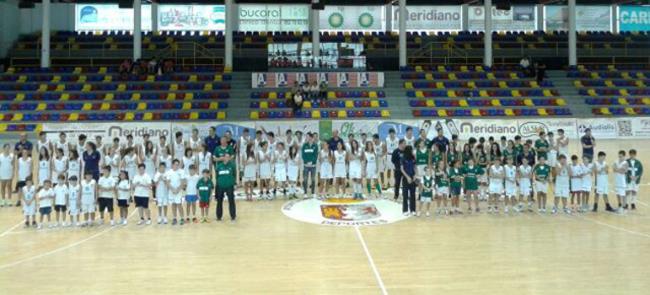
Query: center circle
x=344, y=212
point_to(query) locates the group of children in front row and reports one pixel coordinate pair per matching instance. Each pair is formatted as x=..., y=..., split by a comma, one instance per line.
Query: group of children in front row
x=515, y=186
x=76, y=197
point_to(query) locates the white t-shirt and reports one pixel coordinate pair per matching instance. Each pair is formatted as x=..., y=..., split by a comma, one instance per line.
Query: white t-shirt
x=73, y=193
x=175, y=178
x=161, y=186
x=142, y=185
x=61, y=194
x=6, y=166
x=24, y=168
x=45, y=197
x=192, y=180
x=88, y=191
x=123, y=190
x=106, y=183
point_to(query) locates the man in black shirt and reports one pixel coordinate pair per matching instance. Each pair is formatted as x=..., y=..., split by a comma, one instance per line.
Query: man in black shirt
x=441, y=141
x=334, y=141
x=396, y=159
x=588, y=144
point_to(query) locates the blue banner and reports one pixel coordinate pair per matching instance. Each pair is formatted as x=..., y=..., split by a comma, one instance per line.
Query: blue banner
x=400, y=129
x=634, y=18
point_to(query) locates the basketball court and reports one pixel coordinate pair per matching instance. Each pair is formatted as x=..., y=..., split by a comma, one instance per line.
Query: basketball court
x=266, y=252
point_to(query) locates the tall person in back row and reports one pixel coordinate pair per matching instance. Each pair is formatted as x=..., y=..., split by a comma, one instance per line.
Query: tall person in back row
x=396, y=160
x=309, y=155
x=392, y=143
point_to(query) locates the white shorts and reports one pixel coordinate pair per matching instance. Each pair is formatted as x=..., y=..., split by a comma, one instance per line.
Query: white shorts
x=587, y=184
x=176, y=198
x=602, y=186
x=633, y=187
x=292, y=173
x=73, y=209
x=388, y=164
x=496, y=188
x=552, y=158
x=280, y=173
x=576, y=185
x=29, y=210
x=621, y=191
x=162, y=200
x=420, y=171
x=326, y=170
x=265, y=171
x=561, y=191
x=371, y=172
x=250, y=172
x=511, y=189
x=339, y=171
x=525, y=187
x=88, y=208
x=355, y=170
x=442, y=191
x=381, y=166
x=425, y=199
x=541, y=187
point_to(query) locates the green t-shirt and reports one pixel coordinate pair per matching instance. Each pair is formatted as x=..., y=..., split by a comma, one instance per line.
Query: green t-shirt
x=226, y=174
x=309, y=154
x=436, y=158
x=465, y=157
x=471, y=177
x=451, y=157
x=482, y=161
x=518, y=150
x=542, y=172
x=422, y=157
x=456, y=177
x=508, y=154
x=441, y=179
x=204, y=187
x=541, y=145
x=221, y=151
x=427, y=183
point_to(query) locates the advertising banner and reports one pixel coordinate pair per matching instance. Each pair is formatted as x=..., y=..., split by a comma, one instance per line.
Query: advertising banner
x=355, y=128
x=518, y=18
x=430, y=18
x=634, y=18
x=108, y=131
x=108, y=17
x=588, y=18
x=338, y=79
x=530, y=128
x=600, y=128
x=358, y=18
x=191, y=17
x=273, y=17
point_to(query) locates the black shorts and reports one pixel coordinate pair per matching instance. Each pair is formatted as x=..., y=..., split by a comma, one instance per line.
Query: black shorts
x=142, y=202
x=122, y=203
x=60, y=208
x=20, y=185
x=455, y=191
x=105, y=203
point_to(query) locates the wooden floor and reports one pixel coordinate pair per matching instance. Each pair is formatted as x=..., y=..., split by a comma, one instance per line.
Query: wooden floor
x=268, y=253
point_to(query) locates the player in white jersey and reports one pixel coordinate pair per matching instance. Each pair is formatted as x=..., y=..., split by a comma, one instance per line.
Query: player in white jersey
x=340, y=173
x=60, y=200
x=23, y=171
x=176, y=179
x=380, y=152
x=165, y=157
x=74, y=165
x=7, y=165
x=562, y=143
x=59, y=166
x=88, y=198
x=204, y=158
x=354, y=170
x=577, y=171
x=45, y=196
x=496, y=178
x=63, y=144
x=392, y=143
x=602, y=182
x=195, y=141
x=130, y=162
x=370, y=160
x=552, y=150
x=74, y=200
x=188, y=160
x=325, y=169
x=280, y=157
x=179, y=146
x=161, y=192
x=409, y=138
x=525, y=177
x=293, y=166
x=562, y=184
x=112, y=159
x=264, y=157
x=620, y=168
x=249, y=162
x=587, y=181
x=44, y=143
x=510, y=171
x=44, y=167
x=28, y=196
x=124, y=189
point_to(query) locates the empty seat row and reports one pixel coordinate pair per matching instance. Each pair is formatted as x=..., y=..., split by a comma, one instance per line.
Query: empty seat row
x=482, y=93
x=99, y=70
x=614, y=92
x=611, y=83
x=621, y=111
x=107, y=106
x=477, y=84
x=430, y=103
x=610, y=74
x=87, y=87
x=349, y=104
x=462, y=76
x=529, y=112
x=618, y=101
x=316, y=114
x=112, y=116
x=80, y=78
x=330, y=94
x=45, y=96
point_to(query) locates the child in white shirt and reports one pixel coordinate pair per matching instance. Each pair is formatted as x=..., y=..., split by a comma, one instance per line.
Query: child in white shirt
x=45, y=198
x=60, y=200
x=161, y=193
x=123, y=196
x=191, y=193
x=88, y=198
x=28, y=192
x=74, y=200
x=106, y=189
x=175, y=180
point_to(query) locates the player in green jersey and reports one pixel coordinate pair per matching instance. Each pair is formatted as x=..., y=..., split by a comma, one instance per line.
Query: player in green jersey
x=541, y=175
x=442, y=188
x=435, y=156
x=456, y=183
x=471, y=185
x=426, y=195
x=542, y=145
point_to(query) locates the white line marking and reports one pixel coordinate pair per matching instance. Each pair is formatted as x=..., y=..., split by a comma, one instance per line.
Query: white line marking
x=644, y=204
x=614, y=227
x=77, y=243
x=4, y=233
x=371, y=261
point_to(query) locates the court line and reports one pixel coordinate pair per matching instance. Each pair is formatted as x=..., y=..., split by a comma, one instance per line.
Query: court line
x=77, y=243
x=4, y=233
x=613, y=226
x=371, y=261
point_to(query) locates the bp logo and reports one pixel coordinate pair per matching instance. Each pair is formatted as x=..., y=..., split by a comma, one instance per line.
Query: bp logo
x=335, y=20
x=366, y=20
x=344, y=212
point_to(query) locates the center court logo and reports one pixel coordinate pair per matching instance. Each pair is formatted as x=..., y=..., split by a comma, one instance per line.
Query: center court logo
x=344, y=212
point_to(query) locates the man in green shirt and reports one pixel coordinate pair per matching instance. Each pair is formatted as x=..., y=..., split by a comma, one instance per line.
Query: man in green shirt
x=223, y=149
x=309, y=154
x=226, y=173
x=456, y=182
x=204, y=187
x=519, y=147
x=541, y=174
x=633, y=178
x=542, y=145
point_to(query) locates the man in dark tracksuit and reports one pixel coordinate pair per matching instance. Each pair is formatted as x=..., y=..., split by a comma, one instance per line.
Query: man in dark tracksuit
x=396, y=159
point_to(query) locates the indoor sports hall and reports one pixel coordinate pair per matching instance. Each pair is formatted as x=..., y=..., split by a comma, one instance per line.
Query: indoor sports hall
x=324, y=147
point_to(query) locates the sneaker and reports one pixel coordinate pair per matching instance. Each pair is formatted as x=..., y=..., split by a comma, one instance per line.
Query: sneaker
x=427, y=214
x=405, y=214
x=414, y=214
x=124, y=222
x=26, y=223
x=40, y=226
x=195, y=220
x=164, y=220
x=181, y=222
x=633, y=206
x=112, y=222
x=33, y=223
x=478, y=210
x=418, y=214
x=140, y=222
x=539, y=210
x=159, y=220
x=148, y=222
x=187, y=220
x=567, y=211
x=554, y=211
x=174, y=221
x=506, y=210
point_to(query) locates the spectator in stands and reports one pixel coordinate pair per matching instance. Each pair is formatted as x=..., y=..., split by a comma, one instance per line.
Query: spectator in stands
x=314, y=91
x=323, y=90
x=541, y=72
x=526, y=66
x=125, y=68
x=295, y=88
x=152, y=66
x=168, y=66
x=297, y=101
x=304, y=87
x=23, y=143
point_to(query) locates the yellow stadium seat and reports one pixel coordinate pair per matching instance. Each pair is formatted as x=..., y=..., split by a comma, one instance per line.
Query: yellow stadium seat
x=374, y=104
x=431, y=103
x=264, y=105
x=440, y=85
x=639, y=83
x=594, y=75
x=189, y=96
x=630, y=111
x=592, y=92
x=483, y=93
x=306, y=105
x=20, y=97
x=626, y=75
x=331, y=95
x=609, y=83
x=151, y=78
x=287, y=95
x=207, y=87
x=372, y=94
x=503, y=84
x=173, y=87
x=342, y=114
x=109, y=96
x=218, y=78
x=105, y=106
x=255, y=115
x=548, y=92
x=214, y=105
x=471, y=84
x=21, y=78
x=464, y=69
x=221, y=115
x=476, y=113
x=418, y=68
x=542, y=112
x=192, y=78
x=136, y=96
x=509, y=112
x=385, y=114
x=227, y=69
x=419, y=94
x=273, y=95
x=73, y=117
x=42, y=88
x=171, y=96
x=428, y=76
x=82, y=79
x=56, y=79
x=578, y=83
x=86, y=88
x=41, y=107
x=408, y=85
x=142, y=106
x=495, y=102
x=624, y=92
x=491, y=76
x=451, y=93
x=442, y=113
x=622, y=101
x=65, y=97
x=60, y=87
x=349, y=104
x=561, y=102
x=77, y=70
x=194, y=116
x=640, y=75
x=3, y=127
x=452, y=76
x=528, y=102
x=108, y=78
x=514, y=76
x=129, y=116
x=463, y=103
x=442, y=69
x=646, y=101
x=121, y=87
x=147, y=116
x=187, y=106
x=479, y=69
x=515, y=93
x=534, y=84
x=17, y=117
x=605, y=111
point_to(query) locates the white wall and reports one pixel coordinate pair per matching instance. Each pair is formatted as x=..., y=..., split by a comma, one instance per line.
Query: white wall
x=9, y=19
